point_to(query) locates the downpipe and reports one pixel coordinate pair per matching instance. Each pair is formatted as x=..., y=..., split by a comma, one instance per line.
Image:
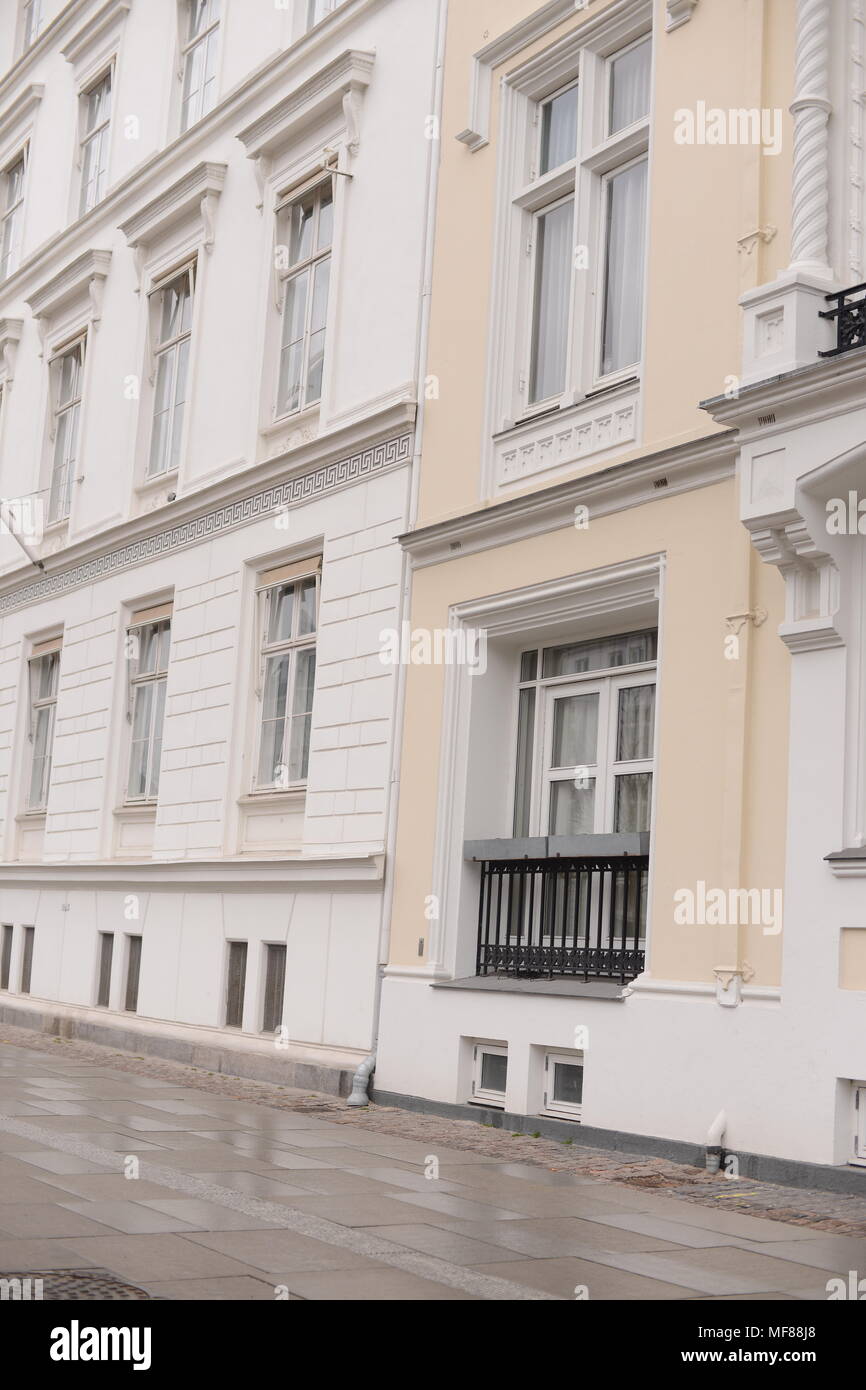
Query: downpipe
x=715, y=1136
x=361, y=1080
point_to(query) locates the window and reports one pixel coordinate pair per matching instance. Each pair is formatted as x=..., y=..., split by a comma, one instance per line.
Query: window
x=309, y=224
x=66, y=370
x=578, y=292
x=27, y=959
x=198, y=59
x=236, y=984
x=13, y=215
x=32, y=13
x=133, y=970
x=106, y=954
x=288, y=600
x=171, y=315
x=43, y=672
x=585, y=738
x=147, y=649
x=275, y=983
x=6, y=955
x=96, y=121
x=563, y=1084
x=317, y=10
x=490, y=1071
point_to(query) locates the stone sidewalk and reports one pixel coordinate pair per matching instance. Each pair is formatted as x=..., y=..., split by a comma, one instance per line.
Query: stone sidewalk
x=128, y=1177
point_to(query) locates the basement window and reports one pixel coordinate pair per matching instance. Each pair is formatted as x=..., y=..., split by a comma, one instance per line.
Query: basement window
x=563, y=1085
x=859, y=1156
x=489, y=1074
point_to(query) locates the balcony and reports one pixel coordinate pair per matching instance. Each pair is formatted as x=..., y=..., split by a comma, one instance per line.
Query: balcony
x=554, y=907
x=849, y=314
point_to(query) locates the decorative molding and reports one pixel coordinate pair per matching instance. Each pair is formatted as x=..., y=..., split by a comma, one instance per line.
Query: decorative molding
x=348, y=74
x=197, y=190
x=811, y=108
x=10, y=334
x=679, y=12
x=701, y=463
x=217, y=875
x=86, y=274
x=94, y=30
x=204, y=526
x=21, y=109
x=812, y=582
x=565, y=438
x=748, y=242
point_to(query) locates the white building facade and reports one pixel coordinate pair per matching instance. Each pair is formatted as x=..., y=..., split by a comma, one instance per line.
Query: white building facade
x=211, y=322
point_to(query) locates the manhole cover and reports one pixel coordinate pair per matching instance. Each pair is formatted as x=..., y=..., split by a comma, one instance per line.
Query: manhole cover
x=90, y=1285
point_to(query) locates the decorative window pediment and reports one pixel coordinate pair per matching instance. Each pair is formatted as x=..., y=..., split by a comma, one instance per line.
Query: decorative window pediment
x=17, y=119
x=85, y=276
x=96, y=39
x=197, y=192
x=340, y=83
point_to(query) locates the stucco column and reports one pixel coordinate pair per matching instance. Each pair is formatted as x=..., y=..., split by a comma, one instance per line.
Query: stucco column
x=811, y=107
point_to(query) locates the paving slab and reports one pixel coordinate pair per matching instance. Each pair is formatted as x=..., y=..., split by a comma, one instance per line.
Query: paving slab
x=564, y=1276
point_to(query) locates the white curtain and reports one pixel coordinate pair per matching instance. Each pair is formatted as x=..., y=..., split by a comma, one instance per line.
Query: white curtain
x=555, y=237
x=623, y=300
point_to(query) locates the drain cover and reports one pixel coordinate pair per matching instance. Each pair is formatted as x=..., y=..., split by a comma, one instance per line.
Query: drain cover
x=90, y=1285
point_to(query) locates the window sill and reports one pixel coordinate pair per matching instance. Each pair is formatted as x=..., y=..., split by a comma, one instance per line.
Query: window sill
x=504, y=984
x=136, y=810
x=151, y=485
x=291, y=797
x=31, y=817
x=297, y=420
x=552, y=443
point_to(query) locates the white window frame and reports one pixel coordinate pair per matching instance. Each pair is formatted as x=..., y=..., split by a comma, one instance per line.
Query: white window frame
x=31, y=27
x=188, y=44
x=99, y=136
x=583, y=58
x=160, y=618
x=285, y=275
x=859, y=1155
x=267, y=584
x=42, y=652
x=480, y=1095
x=607, y=682
x=171, y=349
x=13, y=215
x=60, y=494
x=562, y=1110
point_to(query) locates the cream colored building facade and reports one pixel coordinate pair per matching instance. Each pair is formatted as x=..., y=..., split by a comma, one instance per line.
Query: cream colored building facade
x=611, y=896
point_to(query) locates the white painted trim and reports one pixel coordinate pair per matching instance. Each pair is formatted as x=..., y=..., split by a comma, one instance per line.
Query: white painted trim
x=242, y=874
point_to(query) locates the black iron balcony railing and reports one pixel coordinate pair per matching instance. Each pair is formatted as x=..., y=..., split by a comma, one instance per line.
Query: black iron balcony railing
x=849, y=312
x=577, y=915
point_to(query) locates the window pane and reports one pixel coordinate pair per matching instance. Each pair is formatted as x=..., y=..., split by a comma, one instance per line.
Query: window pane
x=634, y=738
x=630, y=87
x=202, y=13
x=302, y=704
x=281, y=604
x=156, y=740
x=40, y=765
x=625, y=649
x=554, y=233
x=133, y=970
x=623, y=292
x=633, y=794
x=142, y=719
x=27, y=959
x=523, y=785
x=316, y=359
x=148, y=648
x=237, y=974
x=567, y=1083
x=161, y=435
x=572, y=809
x=6, y=957
x=494, y=1071
x=275, y=980
x=273, y=720
x=528, y=666
x=326, y=220
x=292, y=352
x=307, y=607
x=301, y=228
x=175, y=310
x=575, y=730
x=106, y=952
x=559, y=130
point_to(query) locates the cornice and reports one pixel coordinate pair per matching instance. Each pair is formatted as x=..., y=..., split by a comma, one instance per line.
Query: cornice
x=46, y=40
x=350, y=71
x=75, y=279
x=329, y=465
x=22, y=107
x=809, y=394
x=189, y=192
x=218, y=875
x=701, y=463
x=94, y=29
